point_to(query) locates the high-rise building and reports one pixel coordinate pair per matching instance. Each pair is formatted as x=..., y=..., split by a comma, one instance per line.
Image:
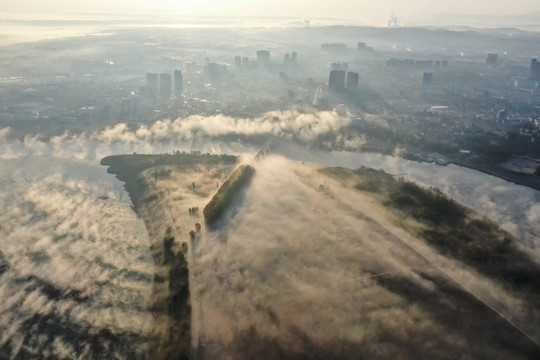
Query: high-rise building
x=293, y=61
x=352, y=81
x=191, y=67
x=165, y=86
x=253, y=65
x=130, y=105
x=263, y=57
x=213, y=72
x=178, y=82
x=152, y=83
x=238, y=63
x=245, y=63
x=362, y=47
x=289, y=61
x=491, y=59
x=502, y=114
x=339, y=66
x=336, y=82
x=535, y=69
x=222, y=70
x=427, y=80
x=286, y=59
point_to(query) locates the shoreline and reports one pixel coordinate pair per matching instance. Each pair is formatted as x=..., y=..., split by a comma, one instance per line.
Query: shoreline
x=175, y=329
x=528, y=180
x=498, y=173
x=164, y=334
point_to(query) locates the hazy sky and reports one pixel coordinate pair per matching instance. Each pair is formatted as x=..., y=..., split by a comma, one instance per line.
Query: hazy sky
x=361, y=9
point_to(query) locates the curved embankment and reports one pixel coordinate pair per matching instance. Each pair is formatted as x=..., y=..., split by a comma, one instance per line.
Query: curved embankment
x=172, y=305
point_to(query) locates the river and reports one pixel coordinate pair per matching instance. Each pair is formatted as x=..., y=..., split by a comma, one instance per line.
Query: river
x=79, y=276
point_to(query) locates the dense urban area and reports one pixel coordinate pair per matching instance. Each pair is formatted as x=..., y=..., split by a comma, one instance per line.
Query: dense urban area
x=475, y=109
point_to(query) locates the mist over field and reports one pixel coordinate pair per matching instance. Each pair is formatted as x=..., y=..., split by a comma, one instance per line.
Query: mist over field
x=488, y=195
x=301, y=243
x=78, y=267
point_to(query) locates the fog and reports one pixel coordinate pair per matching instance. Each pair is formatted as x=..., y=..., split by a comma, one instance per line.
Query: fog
x=302, y=263
x=514, y=207
x=508, y=204
x=67, y=226
x=291, y=250
x=77, y=258
x=79, y=267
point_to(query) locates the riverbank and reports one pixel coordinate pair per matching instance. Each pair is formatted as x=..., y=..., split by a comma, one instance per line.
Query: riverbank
x=466, y=159
x=529, y=180
x=172, y=307
x=532, y=181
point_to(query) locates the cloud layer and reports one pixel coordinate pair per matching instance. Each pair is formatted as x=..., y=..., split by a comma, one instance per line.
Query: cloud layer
x=78, y=256
x=79, y=268
x=301, y=269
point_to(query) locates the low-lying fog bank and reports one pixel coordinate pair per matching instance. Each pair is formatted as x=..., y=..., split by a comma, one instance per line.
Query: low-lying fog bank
x=79, y=277
x=307, y=266
x=57, y=200
x=516, y=208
